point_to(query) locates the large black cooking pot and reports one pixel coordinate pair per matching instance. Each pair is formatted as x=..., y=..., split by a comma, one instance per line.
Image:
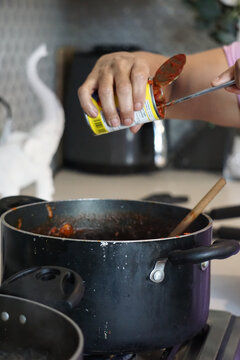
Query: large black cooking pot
x=143, y=290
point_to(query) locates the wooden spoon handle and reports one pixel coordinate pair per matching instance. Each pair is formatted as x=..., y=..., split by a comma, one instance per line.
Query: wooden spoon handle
x=193, y=214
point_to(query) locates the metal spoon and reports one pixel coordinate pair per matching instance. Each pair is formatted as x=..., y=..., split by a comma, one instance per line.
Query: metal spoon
x=199, y=93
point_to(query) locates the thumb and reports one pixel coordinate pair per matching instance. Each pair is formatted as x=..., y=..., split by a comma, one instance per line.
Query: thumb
x=224, y=77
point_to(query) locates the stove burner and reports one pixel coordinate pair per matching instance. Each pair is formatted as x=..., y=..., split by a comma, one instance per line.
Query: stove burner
x=220, y=339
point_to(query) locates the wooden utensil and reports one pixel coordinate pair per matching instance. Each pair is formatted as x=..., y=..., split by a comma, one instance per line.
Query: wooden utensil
x=179, y=229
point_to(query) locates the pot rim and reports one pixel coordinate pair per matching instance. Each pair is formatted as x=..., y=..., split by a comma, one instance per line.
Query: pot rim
x=102, y=242
x=79, y=351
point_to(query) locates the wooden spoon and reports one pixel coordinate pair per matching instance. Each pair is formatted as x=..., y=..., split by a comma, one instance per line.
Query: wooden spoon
x=179, y=229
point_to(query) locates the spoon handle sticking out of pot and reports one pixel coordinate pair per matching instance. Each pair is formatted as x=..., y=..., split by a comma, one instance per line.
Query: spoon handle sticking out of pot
x=199, y=93
x=193, y=214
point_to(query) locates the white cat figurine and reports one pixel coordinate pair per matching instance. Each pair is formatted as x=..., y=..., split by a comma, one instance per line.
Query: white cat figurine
x=25, y=157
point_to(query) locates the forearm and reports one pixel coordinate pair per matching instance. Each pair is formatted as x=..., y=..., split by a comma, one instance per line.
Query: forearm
x=220, y=107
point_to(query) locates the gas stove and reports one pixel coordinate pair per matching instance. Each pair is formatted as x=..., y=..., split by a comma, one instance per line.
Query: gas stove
x=219, y=340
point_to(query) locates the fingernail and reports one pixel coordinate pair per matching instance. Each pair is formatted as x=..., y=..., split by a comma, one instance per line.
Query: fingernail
x=127, y=122
x=93, y=112
x=114, y=122
x=138, y=106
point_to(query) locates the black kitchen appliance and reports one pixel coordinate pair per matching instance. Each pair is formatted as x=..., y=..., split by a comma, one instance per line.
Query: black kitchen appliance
x=121, y=151
x=198, y=145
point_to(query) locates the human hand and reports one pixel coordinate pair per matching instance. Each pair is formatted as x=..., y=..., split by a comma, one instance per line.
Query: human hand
x=121, y=73
x=231, y=73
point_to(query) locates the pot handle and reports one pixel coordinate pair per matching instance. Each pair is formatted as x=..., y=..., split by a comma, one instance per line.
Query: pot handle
x=227, y=232
x=55, y=286
x=220, y=249
x=9, y=202
x=225, y=212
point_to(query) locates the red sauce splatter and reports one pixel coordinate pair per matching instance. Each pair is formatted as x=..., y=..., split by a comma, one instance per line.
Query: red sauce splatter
x=165, y=75
x=50, y=212
x=19, y=223
x=66, y=230
x=54, y=231
x=160, y=100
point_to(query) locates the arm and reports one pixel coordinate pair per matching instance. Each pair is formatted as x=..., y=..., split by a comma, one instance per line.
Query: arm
x=220, y=107
x=127, y=74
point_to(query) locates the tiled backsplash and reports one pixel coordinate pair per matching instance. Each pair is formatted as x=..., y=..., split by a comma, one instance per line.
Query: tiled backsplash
x=156, y=25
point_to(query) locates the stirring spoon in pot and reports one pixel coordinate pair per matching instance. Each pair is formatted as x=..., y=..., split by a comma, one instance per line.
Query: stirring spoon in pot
x=196, y=211
x=199, y=93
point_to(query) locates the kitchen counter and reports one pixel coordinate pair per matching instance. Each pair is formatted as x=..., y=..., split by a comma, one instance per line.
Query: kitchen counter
x=225, y=274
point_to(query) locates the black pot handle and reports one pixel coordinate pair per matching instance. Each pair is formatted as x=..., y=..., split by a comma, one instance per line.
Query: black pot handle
x=54, y=286
x=227, y=232
x=225, y=212
x=10, y=202
x=220, y=249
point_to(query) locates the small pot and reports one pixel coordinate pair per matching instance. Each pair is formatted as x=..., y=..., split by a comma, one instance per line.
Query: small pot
x=143, y=290
x=32, y=330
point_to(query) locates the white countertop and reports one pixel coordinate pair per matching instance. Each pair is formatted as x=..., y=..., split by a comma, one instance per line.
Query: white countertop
x=225, y=274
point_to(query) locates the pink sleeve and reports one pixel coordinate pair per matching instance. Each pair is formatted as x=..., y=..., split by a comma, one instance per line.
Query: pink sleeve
x=232, y=53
